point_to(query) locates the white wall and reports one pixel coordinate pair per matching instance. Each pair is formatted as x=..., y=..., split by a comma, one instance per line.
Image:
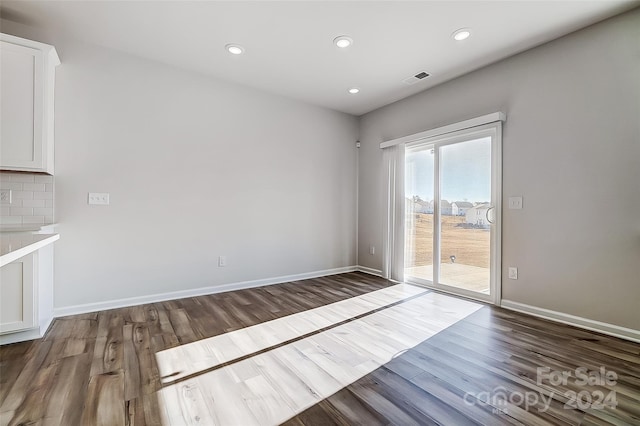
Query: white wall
x=196, y=168
x=571, y=148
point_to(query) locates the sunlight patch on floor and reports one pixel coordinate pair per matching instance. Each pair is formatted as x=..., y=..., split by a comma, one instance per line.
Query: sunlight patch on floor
x=182, y=361
x=277, y=384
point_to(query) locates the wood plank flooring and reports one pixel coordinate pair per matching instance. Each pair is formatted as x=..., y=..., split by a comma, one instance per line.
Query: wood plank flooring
x=193, y=358
x=101, y=368
x=272, y=386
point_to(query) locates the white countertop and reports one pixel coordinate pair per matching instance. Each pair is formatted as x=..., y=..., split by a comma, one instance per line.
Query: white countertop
x=14, y=245
x=42, y=229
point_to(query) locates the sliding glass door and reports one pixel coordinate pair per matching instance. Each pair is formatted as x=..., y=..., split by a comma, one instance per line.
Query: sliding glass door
x=452, y=221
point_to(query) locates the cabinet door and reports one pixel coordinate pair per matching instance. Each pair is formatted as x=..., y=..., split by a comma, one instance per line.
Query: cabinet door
x=21, y=107
x=17, y=295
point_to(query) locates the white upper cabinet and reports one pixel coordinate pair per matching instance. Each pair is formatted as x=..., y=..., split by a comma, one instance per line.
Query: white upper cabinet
x=27, y=79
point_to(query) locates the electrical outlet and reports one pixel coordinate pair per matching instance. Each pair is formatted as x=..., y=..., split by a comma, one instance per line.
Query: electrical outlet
x=515, y=203
x=99, y=198
x=5, y=197
x=372, y=249
x=513, y=273
x=222, y=261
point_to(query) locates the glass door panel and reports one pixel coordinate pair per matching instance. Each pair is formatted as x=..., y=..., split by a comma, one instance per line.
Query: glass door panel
x=465, y=215
x=419, y=190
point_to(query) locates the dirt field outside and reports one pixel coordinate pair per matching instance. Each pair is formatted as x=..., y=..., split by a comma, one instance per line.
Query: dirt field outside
x=470, y=246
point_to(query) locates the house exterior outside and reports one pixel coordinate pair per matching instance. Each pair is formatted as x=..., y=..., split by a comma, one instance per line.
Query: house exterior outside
x=445, y=207
x=459, y=208
x=477, y=215
x=421, y=207
x=416, y=205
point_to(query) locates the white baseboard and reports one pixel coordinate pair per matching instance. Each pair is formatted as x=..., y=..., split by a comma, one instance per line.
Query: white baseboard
x=161, y=297
x=588, y=324
x=21, y=336
x=369, y=271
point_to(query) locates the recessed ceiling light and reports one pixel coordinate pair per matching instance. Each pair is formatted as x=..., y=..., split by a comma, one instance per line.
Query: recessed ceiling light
x=234, y=49
x=461, y=34
x=354, y=90
x=343, y=41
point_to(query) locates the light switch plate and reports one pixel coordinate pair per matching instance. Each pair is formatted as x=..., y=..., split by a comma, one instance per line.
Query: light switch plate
x=515, y=203
x=99, y=198
x=5, y=197
x=513, y=273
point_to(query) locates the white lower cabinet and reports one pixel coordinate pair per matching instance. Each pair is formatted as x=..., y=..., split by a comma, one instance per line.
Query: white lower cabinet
x=26, y=296
x=18, y=294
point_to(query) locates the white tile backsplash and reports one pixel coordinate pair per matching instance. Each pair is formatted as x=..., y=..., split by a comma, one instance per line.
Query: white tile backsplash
x=10, y=220
x=43, y=179
x=34, y=203
x=33, y=219
x=32, y=196
x=42, y=195
x=21, y=211
x=33, y=187
x=17, y=186
x=20, y=177
x=44, y=211
x=21, y=194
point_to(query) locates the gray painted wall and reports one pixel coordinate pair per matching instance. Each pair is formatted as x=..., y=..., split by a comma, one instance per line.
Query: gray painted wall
x=571, y=148
x=196, y=168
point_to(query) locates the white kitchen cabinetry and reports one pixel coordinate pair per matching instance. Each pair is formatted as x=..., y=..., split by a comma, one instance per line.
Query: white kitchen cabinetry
x=27, y=78
x=26, y=286
x=17, y=304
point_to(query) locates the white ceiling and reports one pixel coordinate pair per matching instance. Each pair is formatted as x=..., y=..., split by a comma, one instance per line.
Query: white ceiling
x=289, y=49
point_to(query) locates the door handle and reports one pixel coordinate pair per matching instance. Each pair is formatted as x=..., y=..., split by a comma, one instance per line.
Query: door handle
x=487, y=215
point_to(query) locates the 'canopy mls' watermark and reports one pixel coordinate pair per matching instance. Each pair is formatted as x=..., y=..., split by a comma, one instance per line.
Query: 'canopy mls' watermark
x=597, y=396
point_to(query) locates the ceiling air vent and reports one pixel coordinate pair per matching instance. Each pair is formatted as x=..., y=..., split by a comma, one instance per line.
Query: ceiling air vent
x=416, y=78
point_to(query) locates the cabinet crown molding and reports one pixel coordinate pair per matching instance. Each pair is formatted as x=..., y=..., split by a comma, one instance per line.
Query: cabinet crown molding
x=49, y=50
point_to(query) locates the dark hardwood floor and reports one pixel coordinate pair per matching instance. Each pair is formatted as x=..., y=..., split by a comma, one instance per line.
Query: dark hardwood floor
x=100, y=368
